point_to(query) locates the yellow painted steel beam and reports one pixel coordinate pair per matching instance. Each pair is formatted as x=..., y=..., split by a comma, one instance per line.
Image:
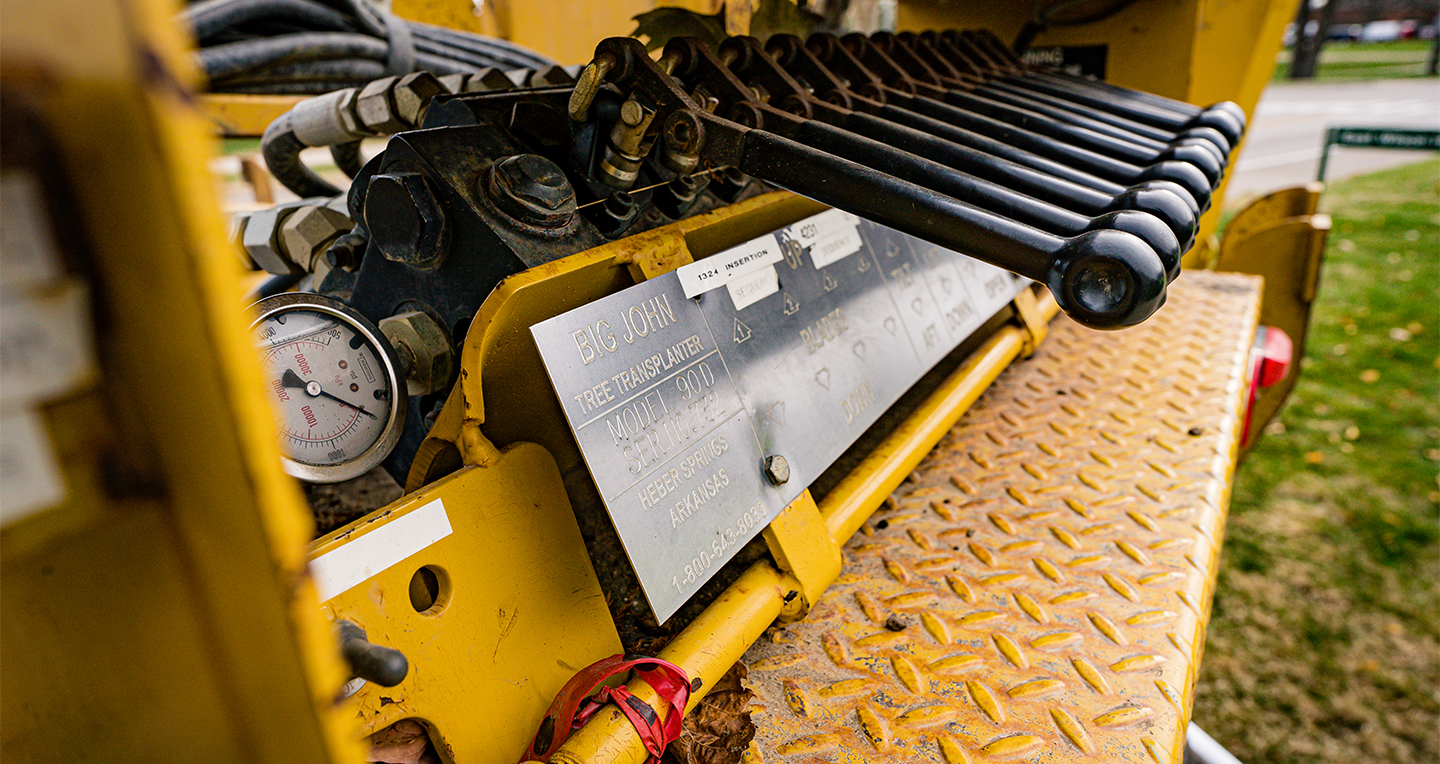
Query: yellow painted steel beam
x=238, y=115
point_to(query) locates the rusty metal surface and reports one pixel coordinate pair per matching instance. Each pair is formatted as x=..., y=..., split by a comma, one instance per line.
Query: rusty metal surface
x=1038, y=589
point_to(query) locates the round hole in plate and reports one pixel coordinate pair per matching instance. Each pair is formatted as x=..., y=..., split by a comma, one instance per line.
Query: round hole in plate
x=430, y=590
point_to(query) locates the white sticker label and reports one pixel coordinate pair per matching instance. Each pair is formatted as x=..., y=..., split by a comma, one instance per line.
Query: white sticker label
x=839, y=244
x=27, y=253
x=28, y=469
x=46, y=348
x=342, y=569
x=718, y=270
x=748, y=290
x=817, y=227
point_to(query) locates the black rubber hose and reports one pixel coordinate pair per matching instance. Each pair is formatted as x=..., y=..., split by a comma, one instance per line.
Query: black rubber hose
x=275, y=285
x=433, y=48
x=212, y=17
x=347, y=158
x=284, y=87
x=479, y=59
x=281, y=150
x=441, y=66
x=237, y=58
x=344, y=69
x=494, y=45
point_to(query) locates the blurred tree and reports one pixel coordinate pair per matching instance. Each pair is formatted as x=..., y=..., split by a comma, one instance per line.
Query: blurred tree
x=1309, y=37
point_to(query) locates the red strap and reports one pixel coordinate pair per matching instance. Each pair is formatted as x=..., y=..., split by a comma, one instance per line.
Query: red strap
x=573, y=706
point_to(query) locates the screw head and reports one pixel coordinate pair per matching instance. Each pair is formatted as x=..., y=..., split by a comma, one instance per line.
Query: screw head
x=777, y=470
x=532, y=189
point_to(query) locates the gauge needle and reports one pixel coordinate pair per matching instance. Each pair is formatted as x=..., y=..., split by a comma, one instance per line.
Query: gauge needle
x=312, y=388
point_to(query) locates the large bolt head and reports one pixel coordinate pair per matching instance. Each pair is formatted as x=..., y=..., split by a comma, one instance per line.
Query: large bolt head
x=405, y=220
x=532, y=189
x=487, y=80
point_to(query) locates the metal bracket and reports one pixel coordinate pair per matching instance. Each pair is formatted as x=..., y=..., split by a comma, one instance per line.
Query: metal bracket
x=1027, y=310
x=802, y=547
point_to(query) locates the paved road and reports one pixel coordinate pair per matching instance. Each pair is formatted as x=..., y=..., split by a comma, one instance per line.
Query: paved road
x=1286, y=135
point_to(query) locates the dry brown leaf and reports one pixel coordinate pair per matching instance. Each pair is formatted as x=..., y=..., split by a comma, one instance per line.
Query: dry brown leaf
x=719, y=730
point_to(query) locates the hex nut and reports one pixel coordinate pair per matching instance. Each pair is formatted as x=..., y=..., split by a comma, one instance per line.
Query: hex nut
x=309, y=231
x=487, y=80
x=262, y=241
x=454, y=83
x=235, y=232
x=550, y=76
x=411, y=94
x=346, y=112
x=424, y=349
x=376, y=110
x=532, y=189
x=405, y=220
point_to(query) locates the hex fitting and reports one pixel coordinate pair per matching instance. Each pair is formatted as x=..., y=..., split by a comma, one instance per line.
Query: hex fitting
x=405, y=220
x=411, y=95
x=375, y=109
x=776, y=469
x=308, y=232
x=261, y=239
x=533, y=190
x=424, y=349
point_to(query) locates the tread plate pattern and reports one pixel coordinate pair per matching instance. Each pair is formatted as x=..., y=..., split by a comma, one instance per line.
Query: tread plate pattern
x=1037, y=590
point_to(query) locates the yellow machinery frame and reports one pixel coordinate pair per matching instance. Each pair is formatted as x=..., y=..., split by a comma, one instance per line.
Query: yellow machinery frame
x=170, y=582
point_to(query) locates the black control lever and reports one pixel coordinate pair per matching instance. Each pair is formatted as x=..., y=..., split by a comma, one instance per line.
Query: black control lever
x=1104, y=278
x=919, y=158
x=1032, y=120
x=997, y=137
x=922, y=62
x=1226, y=117
x=384, y=666
x=787, y=55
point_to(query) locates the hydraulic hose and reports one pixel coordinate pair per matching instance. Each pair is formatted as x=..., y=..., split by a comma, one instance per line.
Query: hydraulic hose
x=261, y=46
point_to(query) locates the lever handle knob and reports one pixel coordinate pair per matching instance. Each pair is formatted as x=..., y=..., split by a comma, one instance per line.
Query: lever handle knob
x=384, y=666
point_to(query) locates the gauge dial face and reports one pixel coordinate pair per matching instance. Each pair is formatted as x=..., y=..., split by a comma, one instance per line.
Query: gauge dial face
x=332, y=381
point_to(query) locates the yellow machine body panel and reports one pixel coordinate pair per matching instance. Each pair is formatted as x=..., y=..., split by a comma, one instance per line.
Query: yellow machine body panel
x=1049, y=566
x=494, y=616
x=159, y=609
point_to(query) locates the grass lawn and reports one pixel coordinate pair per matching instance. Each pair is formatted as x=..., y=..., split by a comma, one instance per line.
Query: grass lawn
x=1324, y=643
x=1363, y=60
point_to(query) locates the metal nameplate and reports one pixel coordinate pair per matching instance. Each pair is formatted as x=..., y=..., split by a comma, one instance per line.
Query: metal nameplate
x=676, y=402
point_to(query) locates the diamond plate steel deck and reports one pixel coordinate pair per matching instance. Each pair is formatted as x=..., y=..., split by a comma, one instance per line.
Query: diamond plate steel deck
x=1038, y=588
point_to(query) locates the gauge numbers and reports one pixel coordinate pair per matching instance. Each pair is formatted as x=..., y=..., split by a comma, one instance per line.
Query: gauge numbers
x=333, y=382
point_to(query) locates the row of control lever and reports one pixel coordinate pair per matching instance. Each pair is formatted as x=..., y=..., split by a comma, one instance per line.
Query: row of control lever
x=1092, y=189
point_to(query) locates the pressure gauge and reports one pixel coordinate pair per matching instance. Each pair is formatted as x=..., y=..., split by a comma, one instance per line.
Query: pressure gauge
x=335, y=384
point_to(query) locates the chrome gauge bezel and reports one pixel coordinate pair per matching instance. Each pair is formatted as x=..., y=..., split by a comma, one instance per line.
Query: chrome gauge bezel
x=394, y=426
